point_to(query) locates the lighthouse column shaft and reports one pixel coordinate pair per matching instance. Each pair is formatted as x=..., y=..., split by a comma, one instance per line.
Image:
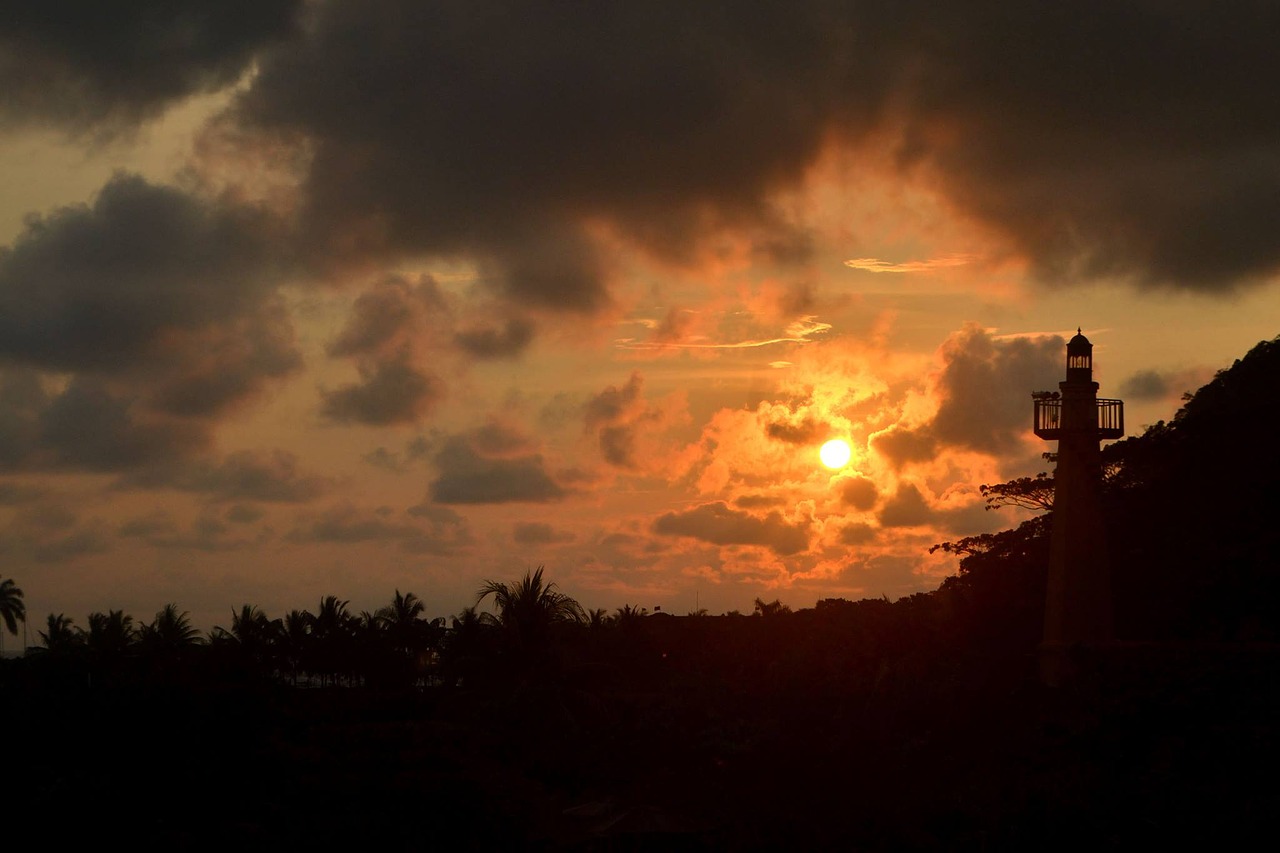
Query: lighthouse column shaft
x=1078, y=604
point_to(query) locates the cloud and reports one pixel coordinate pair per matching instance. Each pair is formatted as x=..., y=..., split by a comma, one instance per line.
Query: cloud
x=540, y=533
x=104, y=287
x=906, y=508
x=718, y=524
x=435, y=530
x=1161, y=384
x=245, y=475
x=82, y=64
x=858, y=492
x=983, y=389
x=389, y=392
x=507, y=341
x=617, y=416
x=877, y=265
x=131, y=325
x=86, y=426
x=383, y=334
x=804, y=431
x=1099, y=140
x=801, y=331
x=466, y=477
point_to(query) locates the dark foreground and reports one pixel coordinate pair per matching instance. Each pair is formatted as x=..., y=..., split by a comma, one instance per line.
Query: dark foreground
x=1154, y=745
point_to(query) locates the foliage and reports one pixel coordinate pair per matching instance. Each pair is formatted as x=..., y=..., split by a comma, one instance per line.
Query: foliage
x=12, y=608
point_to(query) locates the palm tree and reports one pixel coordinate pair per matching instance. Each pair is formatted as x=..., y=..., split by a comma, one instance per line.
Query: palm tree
x=169, y=631
x=332, y=631
x=110, y=634
x=12, y=608
x=252, y=632
x=528, y=611
x=295, y=641
x=60, y=636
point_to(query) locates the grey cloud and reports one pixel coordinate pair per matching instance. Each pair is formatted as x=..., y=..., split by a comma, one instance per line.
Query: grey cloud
x=466, y=477
x=720, y=525
x=160, y=306
x=1101, y=139
x=616, y=416
x=438, y=530
x=539, y=533
x=69, y=547
x=1145, y=385
x=383, y=313
x=507, y=341
x=389, y=392
x=245, y=475
x=985, y=386
x=83, y=64
x=97, y=288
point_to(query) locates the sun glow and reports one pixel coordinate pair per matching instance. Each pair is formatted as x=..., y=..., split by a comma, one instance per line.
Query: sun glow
x=835, y=453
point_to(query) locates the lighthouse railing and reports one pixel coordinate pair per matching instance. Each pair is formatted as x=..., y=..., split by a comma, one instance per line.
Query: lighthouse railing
x=1048, y=417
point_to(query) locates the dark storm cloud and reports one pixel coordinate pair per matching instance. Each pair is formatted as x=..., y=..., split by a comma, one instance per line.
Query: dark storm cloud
x=466, y=477
x=389, y=392
x=1130, y=139
x=1135, y=140
x=497, y=129
x=101, y=287
x=86, y=426
x=81, y=63
x=132, y=324
x=507, y=341
x=385, y=314
x=718, y=524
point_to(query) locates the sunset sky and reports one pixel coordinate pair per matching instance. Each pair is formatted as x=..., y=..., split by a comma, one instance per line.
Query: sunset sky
x=345, y=296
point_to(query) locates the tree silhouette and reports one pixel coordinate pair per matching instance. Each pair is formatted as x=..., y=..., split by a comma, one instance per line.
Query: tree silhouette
x=110, y=634
x=529, y=612
x=12, y=608
x=169, y=631
x=528, y=608
x=60, y=636
x=332, y=633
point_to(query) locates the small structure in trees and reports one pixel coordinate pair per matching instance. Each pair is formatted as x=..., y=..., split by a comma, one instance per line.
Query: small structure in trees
x=1078, y=600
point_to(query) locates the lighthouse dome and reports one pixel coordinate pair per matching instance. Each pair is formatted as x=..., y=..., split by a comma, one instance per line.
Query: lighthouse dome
x=1079, y=359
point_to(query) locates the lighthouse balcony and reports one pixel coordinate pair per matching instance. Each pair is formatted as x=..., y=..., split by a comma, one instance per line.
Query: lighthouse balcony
x=1048, y=418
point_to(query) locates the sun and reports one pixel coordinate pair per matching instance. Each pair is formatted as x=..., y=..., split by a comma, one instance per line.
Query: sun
x=835, y=453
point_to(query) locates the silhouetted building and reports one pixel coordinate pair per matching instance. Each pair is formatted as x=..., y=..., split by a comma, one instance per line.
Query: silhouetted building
x=1078, y=602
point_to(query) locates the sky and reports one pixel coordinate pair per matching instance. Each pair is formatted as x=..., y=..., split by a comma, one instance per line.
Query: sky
x=344, y=297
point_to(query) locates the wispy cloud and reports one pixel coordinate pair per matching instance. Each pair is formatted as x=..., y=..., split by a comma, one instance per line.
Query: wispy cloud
x=801, y=331
x=877, y=265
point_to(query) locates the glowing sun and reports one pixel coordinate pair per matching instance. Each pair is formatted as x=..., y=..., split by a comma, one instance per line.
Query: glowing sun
x=835, y=453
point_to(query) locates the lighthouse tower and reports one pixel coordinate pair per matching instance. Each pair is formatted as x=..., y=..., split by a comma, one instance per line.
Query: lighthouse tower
x=1078, y=602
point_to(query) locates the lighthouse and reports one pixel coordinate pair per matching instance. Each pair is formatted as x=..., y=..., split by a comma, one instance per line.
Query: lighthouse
x=1078, y=600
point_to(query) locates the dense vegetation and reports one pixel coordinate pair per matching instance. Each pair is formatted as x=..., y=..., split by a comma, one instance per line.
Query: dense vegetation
x=915, y=724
